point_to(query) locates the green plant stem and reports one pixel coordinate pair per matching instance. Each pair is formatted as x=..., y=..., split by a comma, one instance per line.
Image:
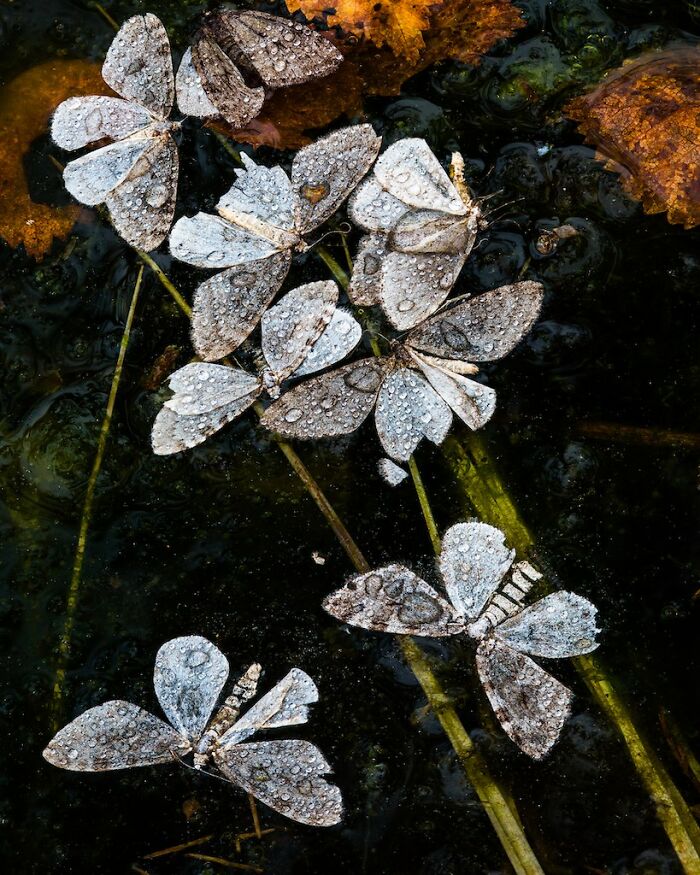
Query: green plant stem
x=64, y=643
x=474, y=469
x=165, y=281
x=425, y=507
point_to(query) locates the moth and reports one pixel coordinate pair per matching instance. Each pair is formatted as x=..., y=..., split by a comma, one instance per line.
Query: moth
x=486, y=592
x=237, y=55
x=421, y=229
x=303, y=333
x=190, y=673
x=416, y=388
x=262, y=221
x=136, y=175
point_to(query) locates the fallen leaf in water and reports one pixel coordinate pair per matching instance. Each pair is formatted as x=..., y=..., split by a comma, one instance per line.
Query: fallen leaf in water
x=644, y=120
x=462, y=31
x=26, y=104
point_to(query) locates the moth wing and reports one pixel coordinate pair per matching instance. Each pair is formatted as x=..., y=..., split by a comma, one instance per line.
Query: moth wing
x=223, y=84
x=364, y=288
x=228, y=306
x=414, y=285
x=192, y=99
x=204, y=240
x=473, y=402
x=338, y=340
x=142, y=206
x=473, y=561
x=409, y=409
x=431, y=231
x=116, y=735
x=530, y=704
x=173, y=433
x=483, y=328
x=282, y=52
x=373, y=208
x=390, y=472
x=201, y=387
x=138, y=65
x=328, y=405
x=92, y=177
x=325, y=172
x=261, y=200
x=559, y=625
x=394, y=599
x=189, y=674
x=295, y=323
x=288, y=776
x=409, y=171
x=79, y=121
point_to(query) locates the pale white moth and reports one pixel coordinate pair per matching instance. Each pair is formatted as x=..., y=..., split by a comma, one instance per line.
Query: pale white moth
x=485, y=591
x=136, y=175
x=190, y=673
x=415, y=388
x=303, y=333
x=262, y=220
x=421, y=229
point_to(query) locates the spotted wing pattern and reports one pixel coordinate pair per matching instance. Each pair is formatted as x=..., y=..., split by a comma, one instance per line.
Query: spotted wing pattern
x=394, y=599
x=338, y=340
x=192, y=99
x=204, y=240
x=116, y=735
x=559, y=625
x=223, y=83
x=413, y=285
x=473, y=402
x=80, y=121
x=364, y=290
x=288, y=776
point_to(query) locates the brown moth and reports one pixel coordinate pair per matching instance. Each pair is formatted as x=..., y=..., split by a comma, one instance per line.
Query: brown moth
x=416, y=388
x=190, y=673
x=485, y=593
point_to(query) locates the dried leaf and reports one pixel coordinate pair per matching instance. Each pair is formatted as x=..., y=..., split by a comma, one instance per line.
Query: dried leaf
x=26, y=105
x=643, y=119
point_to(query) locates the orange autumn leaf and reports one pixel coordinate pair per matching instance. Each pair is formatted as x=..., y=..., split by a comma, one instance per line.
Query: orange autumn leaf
x=397, y=24
x=26, y=104
x=644, y=119
x=461, y=30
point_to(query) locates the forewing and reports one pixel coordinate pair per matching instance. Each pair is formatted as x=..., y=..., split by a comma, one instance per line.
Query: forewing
x=530, y=704
x=228, y=306
x=338, y=340
x=409, y=171
x=328, y=405
x=559, y=625
x=142, y=206
x=374, y=209
x=473, y=561
x=393, y=599
x=412, y=286
x=189, y=674
x=292, y=326
x=201, y=387
x=408, y=410
x=325, y=172
x=473, y=402
x=287, y=776
x=431, y=231
x=261, y=200
x=138, y=65
x=285, y=705
x=223, y=84
x=91, y=178
x=116, y=735
x=210, y=241
x=82, y=120
x=364, y=288
x=192, y=99
x=282, y=52
x=483, y=328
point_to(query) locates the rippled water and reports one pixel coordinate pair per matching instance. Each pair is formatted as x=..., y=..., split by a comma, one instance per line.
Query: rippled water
x=219, y=541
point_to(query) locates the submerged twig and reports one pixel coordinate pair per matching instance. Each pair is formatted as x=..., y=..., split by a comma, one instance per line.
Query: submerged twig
x=64, y=643
x=634, y=434
x=476, y=472
x=228, y=864
x=176, y=849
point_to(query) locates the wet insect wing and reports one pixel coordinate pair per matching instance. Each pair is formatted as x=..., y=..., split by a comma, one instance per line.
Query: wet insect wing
x=473, y=402
x=223, y=83
x=373, y=208
x=363, y=290
x=338, y=340
x=328, y=405
x=116, y=735
x=138, y=65
x=394, y=599
x=80, y=121
x=483, y=328
x=473, y=561
x=431, y=231
x=280, y=51
x=288, y=776
x=390, y=472
x=91, y=178
x=559, y=625
x=413, y=286
x=209, y=241
x=530, y=704
x=192, y=99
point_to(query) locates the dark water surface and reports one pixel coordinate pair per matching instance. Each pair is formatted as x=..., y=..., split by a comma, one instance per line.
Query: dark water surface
x=219, y=541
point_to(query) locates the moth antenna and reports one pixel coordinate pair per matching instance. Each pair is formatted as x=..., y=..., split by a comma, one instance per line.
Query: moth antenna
x=199, y=771
x=340, y=231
